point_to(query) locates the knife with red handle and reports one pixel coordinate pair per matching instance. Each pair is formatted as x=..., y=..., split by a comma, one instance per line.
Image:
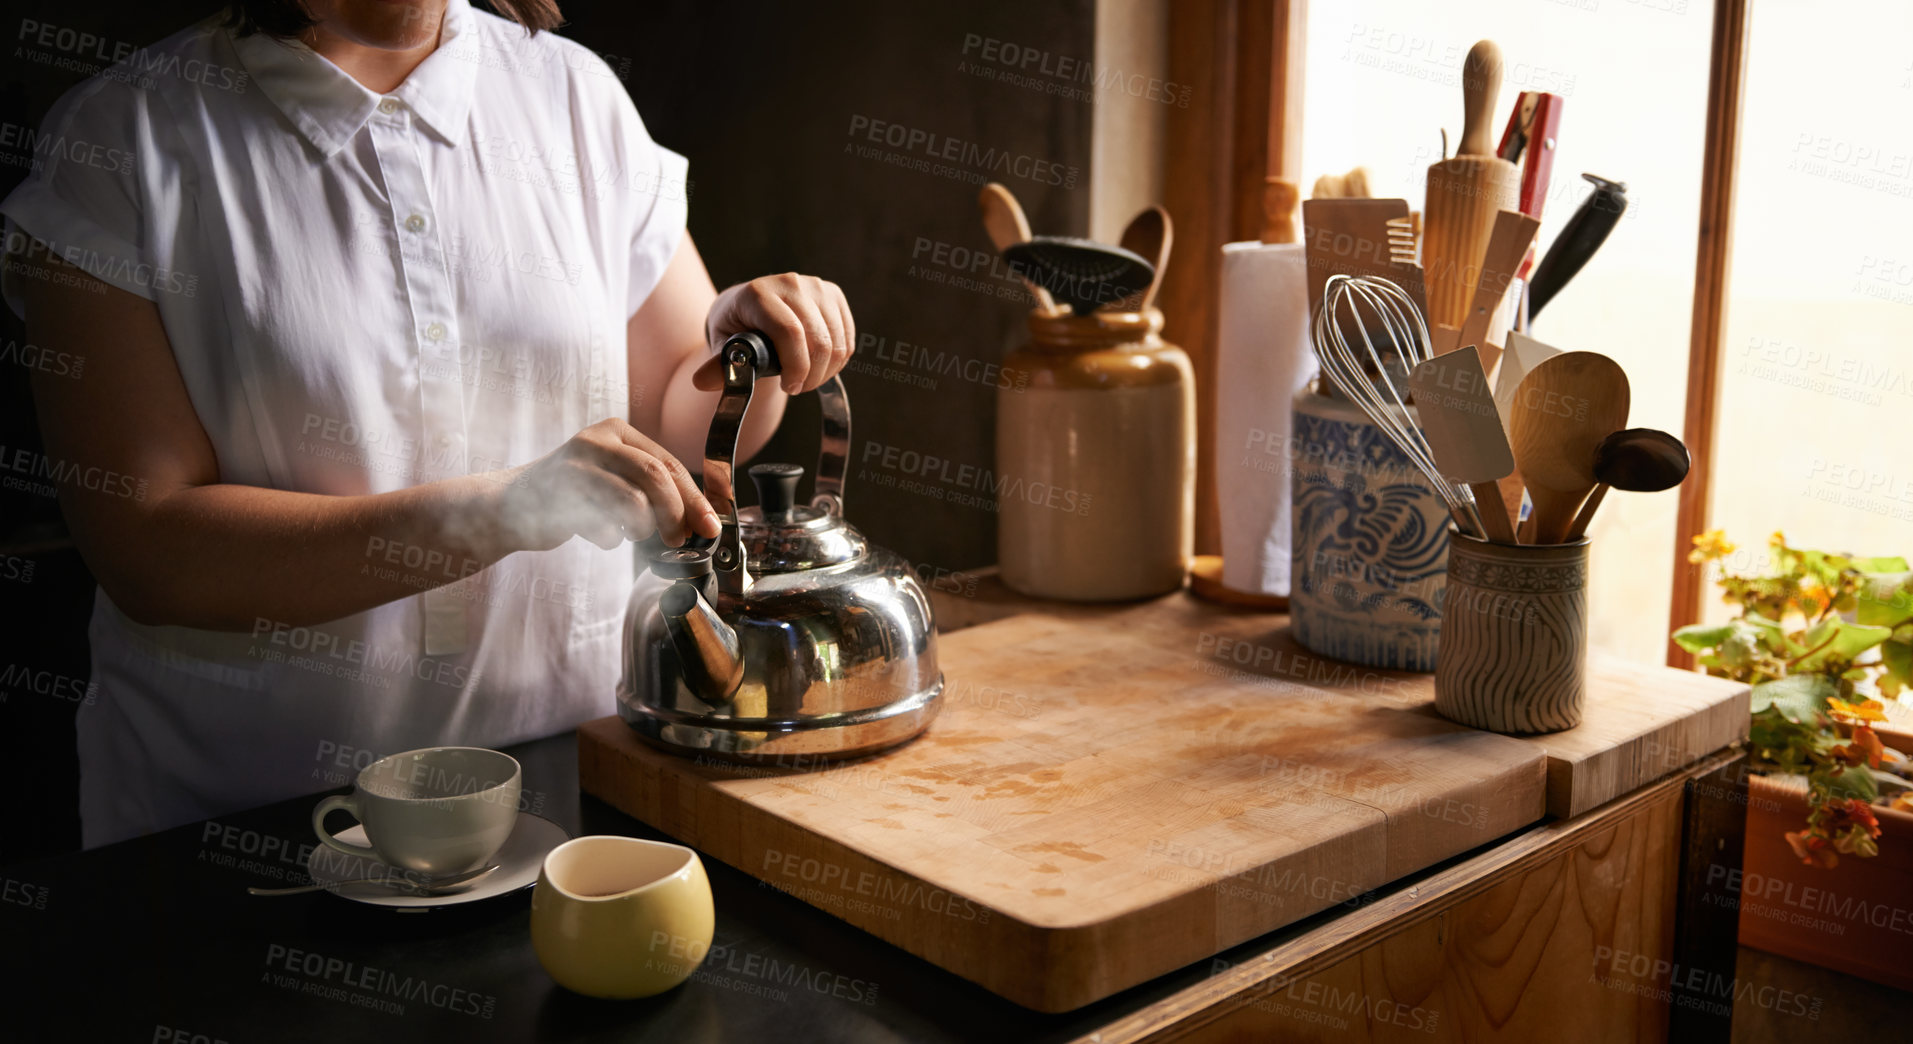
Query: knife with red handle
x=1530, y=140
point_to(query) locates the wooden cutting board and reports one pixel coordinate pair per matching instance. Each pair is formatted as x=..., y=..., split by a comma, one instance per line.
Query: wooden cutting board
x=1641, y=721
x=1104, y=798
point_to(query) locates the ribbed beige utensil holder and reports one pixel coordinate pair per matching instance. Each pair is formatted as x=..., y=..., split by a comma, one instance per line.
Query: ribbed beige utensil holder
x=1514, y=636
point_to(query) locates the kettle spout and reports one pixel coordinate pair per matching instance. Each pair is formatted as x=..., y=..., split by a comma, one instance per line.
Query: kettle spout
x=707, y=647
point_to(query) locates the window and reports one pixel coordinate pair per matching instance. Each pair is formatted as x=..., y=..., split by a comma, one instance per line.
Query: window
x=1816, y=391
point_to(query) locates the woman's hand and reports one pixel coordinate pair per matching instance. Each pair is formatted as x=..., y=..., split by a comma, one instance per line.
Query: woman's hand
x=806, y=318
x=608, y=483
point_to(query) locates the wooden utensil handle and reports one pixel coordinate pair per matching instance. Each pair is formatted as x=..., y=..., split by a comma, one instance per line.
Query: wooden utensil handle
x=1279, y=198
x=1579, y=527
x=1480, y=83
x=1511, y=488
x=1493, y=512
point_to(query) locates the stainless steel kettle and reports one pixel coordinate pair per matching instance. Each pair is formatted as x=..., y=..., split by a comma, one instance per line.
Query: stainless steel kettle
x=791, y=634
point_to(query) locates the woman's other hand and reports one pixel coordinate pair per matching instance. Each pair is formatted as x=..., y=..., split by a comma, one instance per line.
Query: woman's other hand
x=806, y=318
x=608, y=483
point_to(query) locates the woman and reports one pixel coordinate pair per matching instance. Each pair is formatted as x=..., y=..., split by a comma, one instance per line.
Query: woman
x=394, y=337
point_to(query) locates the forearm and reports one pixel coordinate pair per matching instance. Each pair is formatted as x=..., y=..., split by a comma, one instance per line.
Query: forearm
x=224, y=557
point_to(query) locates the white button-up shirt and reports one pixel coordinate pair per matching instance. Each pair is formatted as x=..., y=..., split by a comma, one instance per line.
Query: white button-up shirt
x=363, y=293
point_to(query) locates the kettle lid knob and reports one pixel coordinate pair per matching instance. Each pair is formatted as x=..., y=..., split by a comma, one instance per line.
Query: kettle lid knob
x=776, y=488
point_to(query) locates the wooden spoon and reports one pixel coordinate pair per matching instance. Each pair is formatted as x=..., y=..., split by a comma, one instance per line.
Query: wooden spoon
x=1563, y=409
x=1149, y=236
x=1638, y=460
x=1003, y=219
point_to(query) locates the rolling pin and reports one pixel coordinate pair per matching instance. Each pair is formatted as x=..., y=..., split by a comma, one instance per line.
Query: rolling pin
x=1464, y=195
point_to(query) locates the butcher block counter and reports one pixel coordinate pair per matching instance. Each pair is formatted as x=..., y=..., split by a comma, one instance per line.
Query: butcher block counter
x=1118, y=794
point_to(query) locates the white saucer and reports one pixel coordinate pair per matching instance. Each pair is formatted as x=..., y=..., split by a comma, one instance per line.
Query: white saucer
x=518, y=864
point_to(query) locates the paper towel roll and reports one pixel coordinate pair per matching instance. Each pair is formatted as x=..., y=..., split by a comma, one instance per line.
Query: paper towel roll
x=1262, y=357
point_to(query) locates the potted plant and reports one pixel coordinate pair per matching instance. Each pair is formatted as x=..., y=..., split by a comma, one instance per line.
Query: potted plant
x=1824, y=639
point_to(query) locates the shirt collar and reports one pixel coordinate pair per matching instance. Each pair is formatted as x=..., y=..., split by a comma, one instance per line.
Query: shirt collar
x=329, y=107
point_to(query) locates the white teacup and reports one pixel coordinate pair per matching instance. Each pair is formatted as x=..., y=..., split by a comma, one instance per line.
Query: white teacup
x=438, y=811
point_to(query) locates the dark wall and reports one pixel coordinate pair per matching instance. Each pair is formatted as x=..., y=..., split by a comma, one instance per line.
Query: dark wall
x=764, y=104
x=762, y=97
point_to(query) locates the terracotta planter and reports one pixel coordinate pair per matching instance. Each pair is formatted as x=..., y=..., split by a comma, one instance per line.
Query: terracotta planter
x=1855, y=918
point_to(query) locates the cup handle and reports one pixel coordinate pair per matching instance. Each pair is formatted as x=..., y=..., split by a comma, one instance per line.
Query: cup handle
x=350, y=803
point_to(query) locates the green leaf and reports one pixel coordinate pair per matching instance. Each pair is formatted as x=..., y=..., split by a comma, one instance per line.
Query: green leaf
x=1898, y=657
x=1738, y=641
x=1885, y=598
x=1697, y=638
x=1799, y=699
x=1823, y=566
x=1768, y=632
x=1835, y=640
x=1779, y=740
x=1854, y=782
x=1881, y=565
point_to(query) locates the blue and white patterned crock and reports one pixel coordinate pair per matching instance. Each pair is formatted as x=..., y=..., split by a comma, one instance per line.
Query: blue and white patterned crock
x=1370, y=542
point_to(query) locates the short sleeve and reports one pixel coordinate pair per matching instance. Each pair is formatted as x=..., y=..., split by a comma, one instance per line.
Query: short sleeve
x=83, y=197
x=657, y=195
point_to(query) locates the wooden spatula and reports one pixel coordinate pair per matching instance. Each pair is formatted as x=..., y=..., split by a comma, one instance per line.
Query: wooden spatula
x=1458, y=417
x=1003, y=219
x=1522, y=354
x=1562, y=411
x=1507, y=247
x=1352, y=237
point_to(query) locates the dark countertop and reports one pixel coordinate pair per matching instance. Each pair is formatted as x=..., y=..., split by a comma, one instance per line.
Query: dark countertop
x=157, y=933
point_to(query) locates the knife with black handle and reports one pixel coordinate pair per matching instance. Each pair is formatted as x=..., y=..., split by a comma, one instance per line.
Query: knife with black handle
x=1584, y=234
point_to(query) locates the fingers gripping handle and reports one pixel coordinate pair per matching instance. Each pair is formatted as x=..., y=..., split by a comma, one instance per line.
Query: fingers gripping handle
x=747, y=357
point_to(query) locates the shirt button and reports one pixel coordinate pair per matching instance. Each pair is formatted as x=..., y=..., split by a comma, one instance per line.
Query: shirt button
x=435, y=332
x=416, y=222
x=388, y=106
x=444, y=441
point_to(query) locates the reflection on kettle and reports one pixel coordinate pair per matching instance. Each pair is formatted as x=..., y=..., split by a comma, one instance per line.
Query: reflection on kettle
x=791, y=634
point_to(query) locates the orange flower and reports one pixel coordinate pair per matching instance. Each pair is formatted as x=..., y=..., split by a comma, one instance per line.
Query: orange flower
x=1865, y=746
x=1812, y=849
x=1869, y=743
x=1841, y=817
x=1838, y=827
x=1709, y=546
x=1858, y=713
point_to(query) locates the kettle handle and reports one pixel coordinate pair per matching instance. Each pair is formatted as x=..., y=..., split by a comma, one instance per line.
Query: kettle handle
x=748, y=356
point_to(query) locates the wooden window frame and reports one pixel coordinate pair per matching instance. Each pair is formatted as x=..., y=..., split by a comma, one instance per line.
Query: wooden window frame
x=1726, y=78
x=1244, y=123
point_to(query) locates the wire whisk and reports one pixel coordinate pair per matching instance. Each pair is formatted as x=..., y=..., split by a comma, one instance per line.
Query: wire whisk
x=1369, y=376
